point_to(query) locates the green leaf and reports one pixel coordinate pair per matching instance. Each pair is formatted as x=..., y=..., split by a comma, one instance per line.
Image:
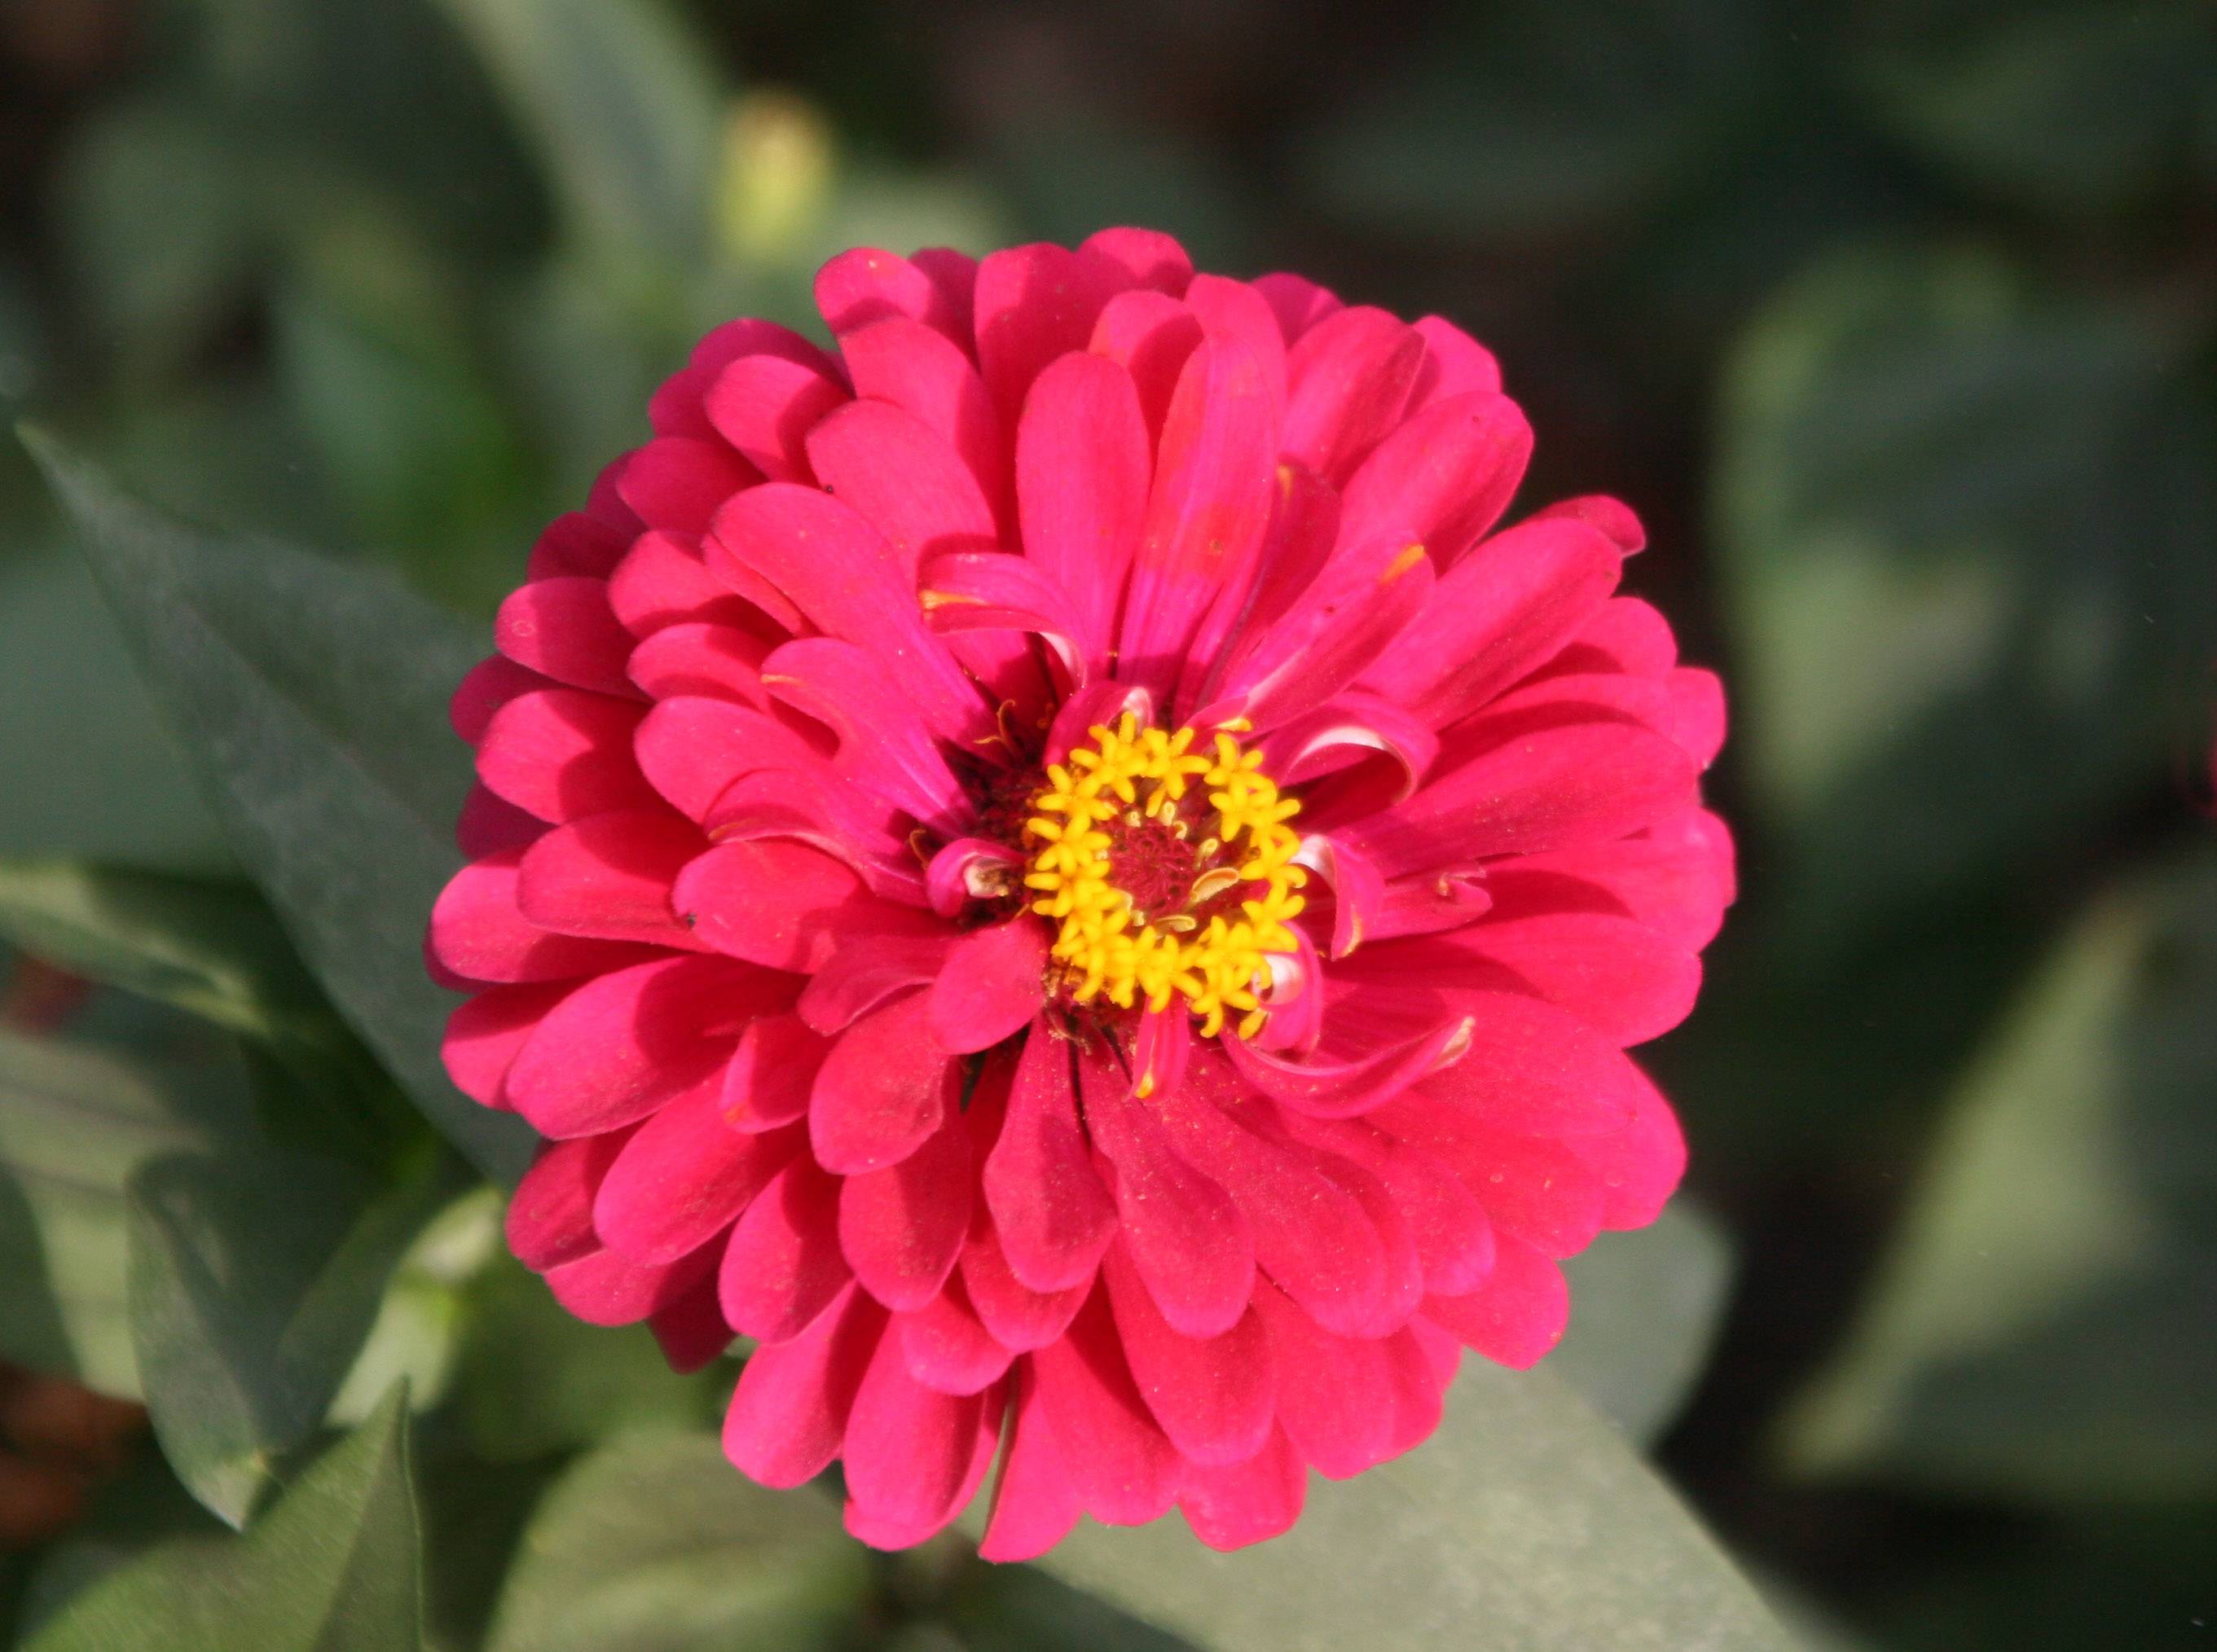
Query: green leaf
x=1527, y=1521
x=210, y=948
x=658, y=1542
x=535, y=1380
x=1524, y=122
x=1644, y=1312
x=2076, y=107
x=2044, y=1328
x=312, y=697
x=621, y=104
x=82, y=733
x=334, y=1568
x=75, y=1121
x=1964, y=536
x=254, y=1280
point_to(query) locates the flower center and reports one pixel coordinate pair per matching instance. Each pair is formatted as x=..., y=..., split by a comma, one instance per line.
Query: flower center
x=1170, y=870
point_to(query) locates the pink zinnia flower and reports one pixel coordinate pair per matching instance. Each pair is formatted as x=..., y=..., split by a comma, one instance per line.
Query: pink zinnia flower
x=1052, y=868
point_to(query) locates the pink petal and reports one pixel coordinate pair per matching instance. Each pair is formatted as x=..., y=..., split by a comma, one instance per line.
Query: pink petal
x=782, y=905
x=1361, y=1063
x=842, y=573
x=1036, y=1501
x=1206, y=512
x=604, y=1288
x=1448, y=472
x=609, y=876
x=1640, y=1165
x=564, y=629
x=691, y=1330
x=1053, y=1216
x=1697, y=700
x=1298, y=303
x=1146, y=258
x=664, y=582
x=1347, y=381
x=1233, y=310
x=1310, y=1237
x=946, y=1347
x=788, y=1414
x=1677, y=877
x=563, y=753
x=1446, y=1223
x=550, y=1214
x=919, y=370
x=1333, y=1391
x=575, y=542
x=1612, y=516
x=1124, y=1468
x=683, y=1177
x=902, y=1227
x=484, y=688
x=1236, y=1504
x=905, y=480
x=701, y=659
x=866, y=970
x=765, y=406
x=484, y=1034
x=625, y=1044
x=991, y=985
x=1456, y=364
x=1362, y=602
x=971, y=597
x=783, y=1266
x=882, y=1091
x=1213, y=1396
x=865, y=284
x=676, y=482
x=1619, y=977
x=1533, y=785
x=1083, y=462
x=1534, y=1189
x=1016, y=1317
x=1516, y=1316
x=1498, y=614
x=913, y=1456
x=479, y=931
x=883, y=746
x=1150, y=336
x=1034, y=304
x=1531, y=1069
x=1186, y=1236
x=971, y=869
x=770, y=1074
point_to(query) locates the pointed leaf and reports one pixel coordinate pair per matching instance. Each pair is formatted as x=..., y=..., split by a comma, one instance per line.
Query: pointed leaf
x=312, y=697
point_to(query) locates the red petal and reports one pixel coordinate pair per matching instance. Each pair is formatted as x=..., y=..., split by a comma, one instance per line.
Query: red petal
x=1214, y=1396
x=683, y=1177
x=789, y=1412
x=882, y=1091
x=902, y=1227
x=783, y=1266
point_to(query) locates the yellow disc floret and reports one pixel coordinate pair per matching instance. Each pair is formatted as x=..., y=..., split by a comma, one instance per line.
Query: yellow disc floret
x=1147, y=798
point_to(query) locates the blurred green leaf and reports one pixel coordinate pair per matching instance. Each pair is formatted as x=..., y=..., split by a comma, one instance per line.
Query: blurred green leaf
x=159, y=219
x=1526, y=1515
x=334, y=1568
x=1644, y=1312
x=622, y=105
x=311, y=696
x=1022, y=1609
x=75, y=1121
x=143, y=1505
x=254, y=1280
x=1964, y=535
x=657, y=1544
x=213, y=949
x=2045, y=1326
x=535, y=1380
x=81, y=733
x=2069, y=106
x=1524, y=122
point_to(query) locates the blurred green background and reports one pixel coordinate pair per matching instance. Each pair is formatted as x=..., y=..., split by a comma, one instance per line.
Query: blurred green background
x=1895, y=322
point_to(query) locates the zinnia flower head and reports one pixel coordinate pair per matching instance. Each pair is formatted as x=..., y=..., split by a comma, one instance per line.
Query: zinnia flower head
x=1055, y=867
